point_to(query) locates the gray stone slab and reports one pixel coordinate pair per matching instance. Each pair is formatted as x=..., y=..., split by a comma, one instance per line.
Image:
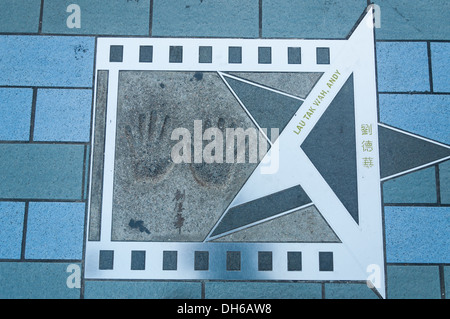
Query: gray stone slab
x=261, y=208
x=98, y=156
x=331, y=146
x=172, y=202
x=400, y=152
x=294, y=83
x=304, y=225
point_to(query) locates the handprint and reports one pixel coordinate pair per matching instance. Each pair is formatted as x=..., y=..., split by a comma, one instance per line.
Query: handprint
x=149, y=144
x=213, y=174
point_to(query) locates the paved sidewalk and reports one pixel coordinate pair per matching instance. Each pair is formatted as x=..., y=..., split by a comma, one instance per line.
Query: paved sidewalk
x=47, y=93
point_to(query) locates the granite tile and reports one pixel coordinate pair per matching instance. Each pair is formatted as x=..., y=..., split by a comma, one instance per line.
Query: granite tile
x=63, y=115
x=41, y=171
x=440, y=53
x=36, y=280
x=413, y=282
x=19, y=16
x=348, y=291
x=141, y=290
x=262, y=290
x=310, y=19
x=444, y=181
x=220, y=18
x=402, y=67
x=106, y=17
x=426, y=115
x=417, y=234
x=413, y=20
x=15, y=114
x=55, y=230
x=11, y=229
x=416, y=187
x=46, y=60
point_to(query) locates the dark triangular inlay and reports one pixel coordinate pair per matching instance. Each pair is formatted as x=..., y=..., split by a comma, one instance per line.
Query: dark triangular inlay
x=331, y=146
x=400, y=152
x=269, y=109
x=262, y=208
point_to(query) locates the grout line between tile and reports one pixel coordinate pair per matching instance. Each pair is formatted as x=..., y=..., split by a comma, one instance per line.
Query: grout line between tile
x=150, y=20
x=430, y=69
x=442, y=281
x=438, y=185
x=41, y=15
x=260, y=13
x=33, y=114
x=24, y=232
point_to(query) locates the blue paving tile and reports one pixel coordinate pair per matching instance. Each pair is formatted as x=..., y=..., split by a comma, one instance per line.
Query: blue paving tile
x=417, y=187
x=413, y=20
x=310, y=19
x=144, y=290
x=11, y=229
x=63, y=115
x=402, y=67
x=348, y=291
x=444, y=177
x=109, y=17
x=20, y=16
x=41, y=171
x=440, y=62
x=36, y=280
x=46, y=60
x=417, y=234
x=262, y=290
x=413, y=282
x=15, y=114
x=220, y=18
x=427, y=115
x=55, y=230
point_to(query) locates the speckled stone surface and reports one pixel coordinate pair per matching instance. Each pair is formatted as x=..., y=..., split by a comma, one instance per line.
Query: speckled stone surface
x=262, y=290
x=444, y=174
x=394, y=75
x=37, y=280
x=425, y=114
x=15, y=114
x=108, y=17
x=310, y=19
x=141, y=290
x=46, y=61
x=192, y=196
x=417, y=187
x=56, y=111
x=348, y=291
x=19, y=15
x=440, y=65
x=41, y=171
x=11, y=229
x=304, y=225
x=55, y=231
x=413, y=282
x=417, y=234
x=220, y=18
x=413, y=20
